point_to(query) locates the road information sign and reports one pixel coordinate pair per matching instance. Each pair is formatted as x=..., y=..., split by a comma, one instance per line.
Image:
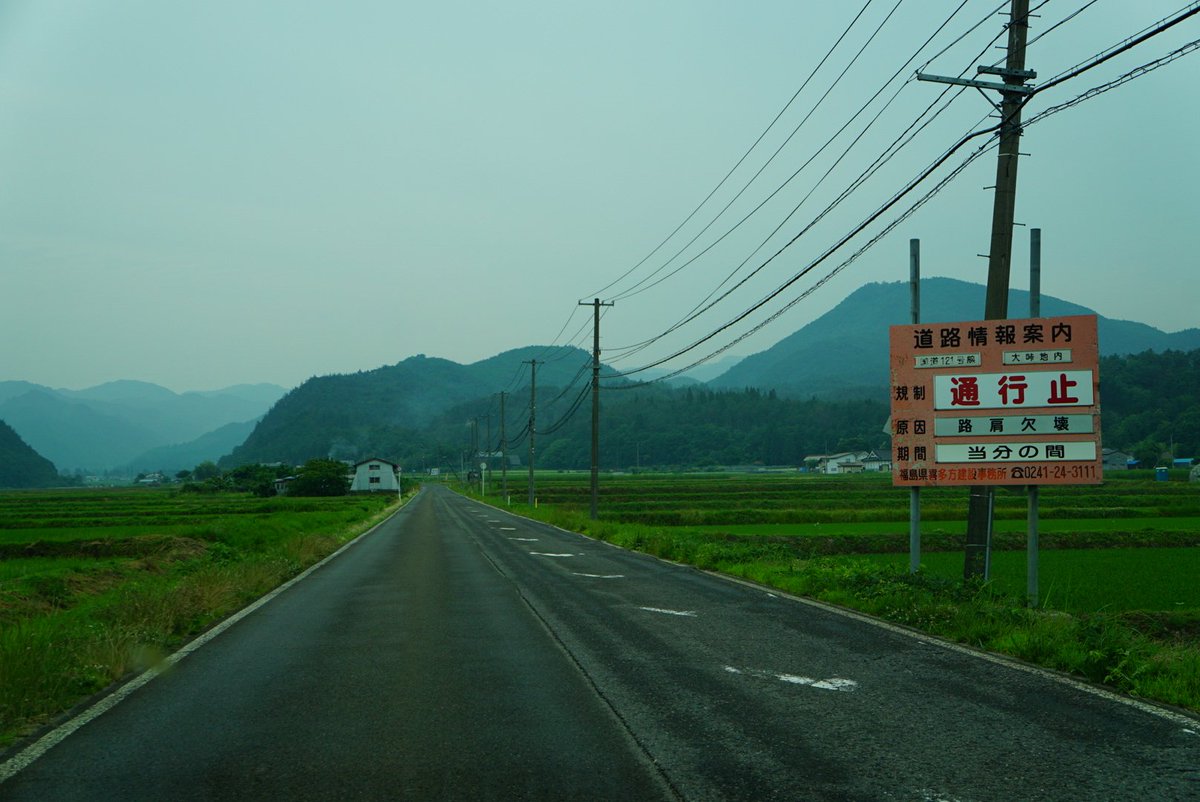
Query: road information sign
x=1006, y=402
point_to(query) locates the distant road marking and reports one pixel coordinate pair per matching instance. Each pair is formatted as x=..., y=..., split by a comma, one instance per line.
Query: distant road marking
x=547, y=554
x=601, y=576
x=831, y=684
x=689, y=613
x=525, y=539
x=508, y=529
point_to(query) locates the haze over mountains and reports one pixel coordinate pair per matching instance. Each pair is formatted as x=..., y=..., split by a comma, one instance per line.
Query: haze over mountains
x=845, y=351
x=110, y=425
x=136, y=426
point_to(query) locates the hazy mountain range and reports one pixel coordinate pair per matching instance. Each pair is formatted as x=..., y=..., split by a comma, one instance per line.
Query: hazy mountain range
x=845, y=351
x=142, y=427
x=111, y=425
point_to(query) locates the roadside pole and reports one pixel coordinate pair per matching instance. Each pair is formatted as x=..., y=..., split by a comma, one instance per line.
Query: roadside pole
x=914, y=493
x=1012, y=91
x=1035, y=310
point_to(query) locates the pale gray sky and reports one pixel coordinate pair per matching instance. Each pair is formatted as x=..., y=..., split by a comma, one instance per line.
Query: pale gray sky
x=205, y=193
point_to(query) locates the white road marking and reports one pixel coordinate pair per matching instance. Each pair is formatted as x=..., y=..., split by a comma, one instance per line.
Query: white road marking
x=525, y=539
x=831, y=684
x=602, y=576
x=1190, y=732
x=508, y=529
x=688, y=613
x=935, y=796
x=547, y=554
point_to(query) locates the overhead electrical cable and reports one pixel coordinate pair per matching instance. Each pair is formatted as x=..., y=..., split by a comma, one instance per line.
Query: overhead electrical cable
x=992, y=143
x=909, y=187
x=1080, y=69
x=743, y=158
x=1116, y=50
x=641, y=286
x=897, y=145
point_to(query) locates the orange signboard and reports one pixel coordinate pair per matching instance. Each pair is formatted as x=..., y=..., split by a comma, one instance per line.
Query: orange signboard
x=1007, y=402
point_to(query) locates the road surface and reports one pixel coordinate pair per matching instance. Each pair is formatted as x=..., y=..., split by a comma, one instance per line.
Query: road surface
x=459, y=652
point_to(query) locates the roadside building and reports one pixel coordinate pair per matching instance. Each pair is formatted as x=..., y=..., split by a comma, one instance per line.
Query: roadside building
x=847, y=462
x=375, y=475
x=1115, y=460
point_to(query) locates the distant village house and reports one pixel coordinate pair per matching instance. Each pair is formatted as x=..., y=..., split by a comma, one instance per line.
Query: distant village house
x=848, y=462
x=375, y=475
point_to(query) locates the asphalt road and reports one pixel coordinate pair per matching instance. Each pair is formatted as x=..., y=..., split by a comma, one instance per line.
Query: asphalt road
x=458, y=652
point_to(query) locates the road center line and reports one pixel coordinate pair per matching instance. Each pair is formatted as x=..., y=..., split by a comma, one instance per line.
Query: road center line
x=831, y=684
x=687, y=613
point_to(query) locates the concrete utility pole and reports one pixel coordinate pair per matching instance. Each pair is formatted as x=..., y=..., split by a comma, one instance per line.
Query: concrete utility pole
x=595, y=304
x=1012, y=92
x=533, y=363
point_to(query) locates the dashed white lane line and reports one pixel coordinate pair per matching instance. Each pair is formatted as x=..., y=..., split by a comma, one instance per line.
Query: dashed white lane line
x=688, y=613
x=601, y=576
x=525, y=539
x=508, y=529
x=547, y=554
x=831, y=684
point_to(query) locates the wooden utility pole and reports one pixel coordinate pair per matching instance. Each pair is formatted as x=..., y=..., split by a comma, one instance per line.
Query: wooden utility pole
x=533, y=363
x=503, y=453
x=595, y=304
x=1012, y=92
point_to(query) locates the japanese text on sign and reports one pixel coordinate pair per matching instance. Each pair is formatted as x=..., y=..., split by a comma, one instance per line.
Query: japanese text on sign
x=997, y=402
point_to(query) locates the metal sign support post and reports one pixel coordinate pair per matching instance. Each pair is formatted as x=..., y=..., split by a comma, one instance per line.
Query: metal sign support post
x=914, y=493
x=1035, y=310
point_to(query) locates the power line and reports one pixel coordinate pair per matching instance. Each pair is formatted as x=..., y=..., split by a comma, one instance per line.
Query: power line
x=889, y=152
x=634, y=290
x=743, y=158
x=1074, y=72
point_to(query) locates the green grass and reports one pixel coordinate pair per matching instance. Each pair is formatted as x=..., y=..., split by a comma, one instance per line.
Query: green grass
x=1085, y=580
x=88, y=594
x=959, y=527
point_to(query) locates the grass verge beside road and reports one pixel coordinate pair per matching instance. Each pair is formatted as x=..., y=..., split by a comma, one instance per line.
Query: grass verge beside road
x=83, y=606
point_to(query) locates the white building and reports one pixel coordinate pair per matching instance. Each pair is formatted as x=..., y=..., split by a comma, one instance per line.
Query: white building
x=847, y=462
x=375, y=475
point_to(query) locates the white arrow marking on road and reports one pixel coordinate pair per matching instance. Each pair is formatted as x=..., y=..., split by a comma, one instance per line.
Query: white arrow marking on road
x=831, y=684
x=602, y=576
x=668, y=612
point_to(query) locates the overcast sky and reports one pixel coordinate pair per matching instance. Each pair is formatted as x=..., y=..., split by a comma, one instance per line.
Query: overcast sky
x=200, y=194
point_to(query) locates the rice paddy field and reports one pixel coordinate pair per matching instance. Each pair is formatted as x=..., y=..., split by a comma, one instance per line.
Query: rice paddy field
x=1130, y=543
x=98, y=584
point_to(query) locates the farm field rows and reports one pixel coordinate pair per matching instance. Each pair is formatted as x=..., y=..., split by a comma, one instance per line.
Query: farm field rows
x=95, y=584
x=1155, y=525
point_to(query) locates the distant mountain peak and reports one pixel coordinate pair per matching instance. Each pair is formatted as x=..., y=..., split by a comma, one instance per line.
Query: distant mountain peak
x=845, y=350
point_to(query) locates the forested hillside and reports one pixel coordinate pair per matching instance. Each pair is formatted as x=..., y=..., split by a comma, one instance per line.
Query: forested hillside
x=1150, y=404
x=20, y=465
